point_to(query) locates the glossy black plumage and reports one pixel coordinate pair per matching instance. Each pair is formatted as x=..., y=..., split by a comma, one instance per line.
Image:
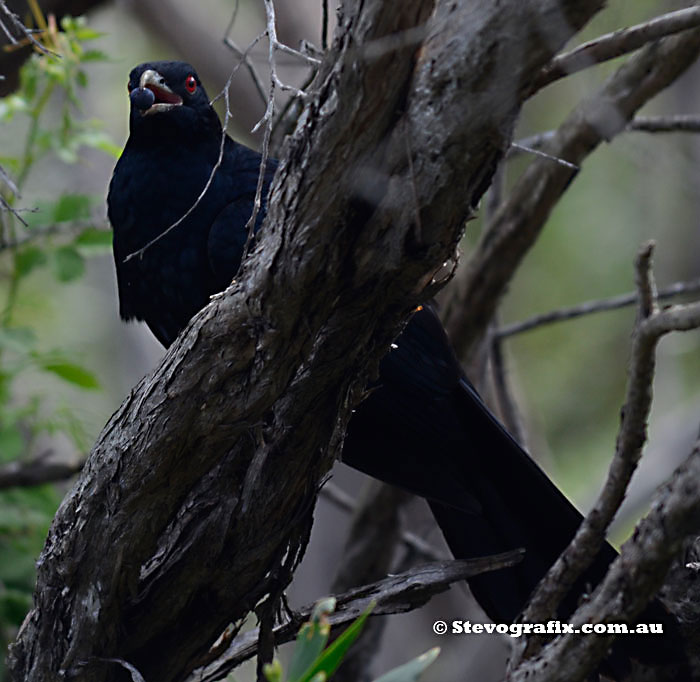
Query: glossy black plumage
x=423, y=427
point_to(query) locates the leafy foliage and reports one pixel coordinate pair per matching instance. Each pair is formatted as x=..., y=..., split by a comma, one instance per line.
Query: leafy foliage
x=313, y=661
x=55, y=236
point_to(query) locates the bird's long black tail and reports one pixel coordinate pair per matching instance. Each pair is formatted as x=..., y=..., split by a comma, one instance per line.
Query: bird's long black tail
x=519, y=507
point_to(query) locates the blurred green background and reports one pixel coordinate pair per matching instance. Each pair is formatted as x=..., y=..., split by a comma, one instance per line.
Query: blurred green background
x=67, y=361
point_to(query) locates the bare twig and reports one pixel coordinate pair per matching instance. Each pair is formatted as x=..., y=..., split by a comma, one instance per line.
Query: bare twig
x=276, y=45
x=395, y=594
x=244, y=55
x=19, y=26
x=5, y=206
x=666, y=124
x=591, y=307
x=5, y=177
x=37, y=472
x=134, y=673
x=682, y=123
x=507, y=406
x=538, y=152
x=414, y=542
x=651, y=325
x=615, y=45
x=267, y=118
x=493, y=358
x=526, y=144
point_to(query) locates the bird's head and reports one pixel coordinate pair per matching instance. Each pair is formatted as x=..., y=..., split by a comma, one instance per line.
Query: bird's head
x=166, y=95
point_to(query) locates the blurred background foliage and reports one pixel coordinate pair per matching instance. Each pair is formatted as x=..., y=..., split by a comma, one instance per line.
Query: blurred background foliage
x=66, y=360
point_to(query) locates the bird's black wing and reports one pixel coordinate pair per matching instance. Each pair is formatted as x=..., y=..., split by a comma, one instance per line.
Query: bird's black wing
x=424, y=428
x=229, y=231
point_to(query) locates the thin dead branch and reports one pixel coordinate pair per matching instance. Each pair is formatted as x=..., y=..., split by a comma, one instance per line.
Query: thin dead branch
x=651, y=325
x=12, y=26
x=592, y=307
x=414, y=542
x=666, y=124
x=395, y=594
x=615, y=45
x=37, y=472
x=244, y=56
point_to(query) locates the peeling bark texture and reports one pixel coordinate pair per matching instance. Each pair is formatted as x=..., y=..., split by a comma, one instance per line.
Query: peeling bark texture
x=196, y=500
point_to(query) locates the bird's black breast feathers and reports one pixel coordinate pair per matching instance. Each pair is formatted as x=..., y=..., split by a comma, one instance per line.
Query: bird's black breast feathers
x=152, y=189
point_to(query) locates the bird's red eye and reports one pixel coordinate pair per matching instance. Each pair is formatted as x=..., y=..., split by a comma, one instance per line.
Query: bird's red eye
x=190, y=84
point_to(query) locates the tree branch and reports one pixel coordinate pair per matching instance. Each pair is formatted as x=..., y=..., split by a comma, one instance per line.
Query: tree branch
x=616, y=44
x=37, y=472
x=591, y=307
x=651, y=326
x=666, y=124
x=395, y=594
x=522, y=216
x=412, y=541
x=14, y=33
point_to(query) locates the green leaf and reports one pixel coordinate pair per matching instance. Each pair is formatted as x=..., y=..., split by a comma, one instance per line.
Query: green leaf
x=27, y=259
x=81, y=79
x=73, y=374
x=67, y=263
x=29, y=80
x=333, y=656
x=98, y=139
x=93, y=238
x=411, y=671
x=85, y=34
x=311, y=639
x=72, y=207
x=94, y=56
x=273, y=671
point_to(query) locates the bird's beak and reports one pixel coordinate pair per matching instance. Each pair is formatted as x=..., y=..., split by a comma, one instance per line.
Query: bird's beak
x=165, y=98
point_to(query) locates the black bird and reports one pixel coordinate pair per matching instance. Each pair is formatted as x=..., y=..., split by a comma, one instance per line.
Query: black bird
x=423, y=427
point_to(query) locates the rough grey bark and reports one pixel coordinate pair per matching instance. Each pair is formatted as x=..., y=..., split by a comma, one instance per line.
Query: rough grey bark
x=196, y=499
